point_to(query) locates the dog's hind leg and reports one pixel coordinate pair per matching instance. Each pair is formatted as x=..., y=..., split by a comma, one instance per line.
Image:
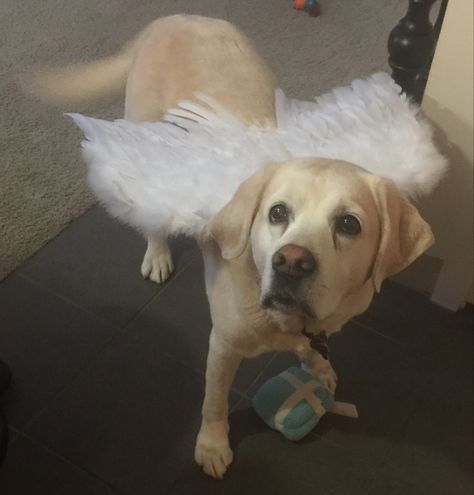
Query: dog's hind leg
x=157, y=263
x=143, y=104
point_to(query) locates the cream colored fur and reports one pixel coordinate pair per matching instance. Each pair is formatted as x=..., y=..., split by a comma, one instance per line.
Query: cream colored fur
x=239, y=272
x=171, y=60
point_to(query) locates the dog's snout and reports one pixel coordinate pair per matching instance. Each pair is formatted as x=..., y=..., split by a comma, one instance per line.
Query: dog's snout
x=293, y=261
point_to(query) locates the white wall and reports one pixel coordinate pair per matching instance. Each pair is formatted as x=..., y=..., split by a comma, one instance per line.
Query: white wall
x=448, y=102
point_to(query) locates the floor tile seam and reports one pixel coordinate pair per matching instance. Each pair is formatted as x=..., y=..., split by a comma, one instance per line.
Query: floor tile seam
x=17, y=434
x=429, y=355
x=259, y=375
x=371, y=328
x=334, y=487
x=319, y=437
x=161, y=288
x=416, y=403
x=381, y=466
x=200, y=372
x=76, y=376
x=374, y=478
x=118, y=326
x=64, y=459
x=366, y=326
x=241, y=394
x=406, y=422
x=375, y=468
x=72, y=303
x=122, y=331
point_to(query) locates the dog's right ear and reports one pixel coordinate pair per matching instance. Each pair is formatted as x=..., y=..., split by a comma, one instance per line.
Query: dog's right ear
x=230, y=228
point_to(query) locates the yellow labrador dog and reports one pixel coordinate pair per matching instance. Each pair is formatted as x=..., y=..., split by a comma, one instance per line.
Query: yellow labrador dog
x=301, y=247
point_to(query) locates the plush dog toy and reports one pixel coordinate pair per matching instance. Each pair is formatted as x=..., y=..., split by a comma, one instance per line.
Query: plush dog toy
x=294, y=401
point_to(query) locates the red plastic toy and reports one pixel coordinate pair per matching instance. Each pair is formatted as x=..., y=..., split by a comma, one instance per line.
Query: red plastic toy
x=309, y=6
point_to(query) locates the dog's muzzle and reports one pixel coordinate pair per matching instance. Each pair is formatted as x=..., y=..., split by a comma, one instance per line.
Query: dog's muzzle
x=286, y=303
x=292, y=266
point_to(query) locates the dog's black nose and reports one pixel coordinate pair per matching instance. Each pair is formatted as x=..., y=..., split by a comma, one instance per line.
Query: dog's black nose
x=293, y=261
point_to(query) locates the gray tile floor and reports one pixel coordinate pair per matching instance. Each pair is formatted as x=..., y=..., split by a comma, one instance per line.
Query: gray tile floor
x=109, y=375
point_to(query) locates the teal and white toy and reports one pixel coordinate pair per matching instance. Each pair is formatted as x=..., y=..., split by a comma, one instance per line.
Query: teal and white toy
x=294, y=401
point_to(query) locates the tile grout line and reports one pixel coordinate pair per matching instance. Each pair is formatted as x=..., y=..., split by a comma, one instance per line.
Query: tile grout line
x=69, y=462
x=373, y=330
x=254, y=381
x=162, y=288
x=84, y=368
x=242, y=395
x=391, y=449
x=117, y=326
x=121, y=332
x=68, y=301
x=77, y=376
x=200, y=372
x=96, y=356
x=70, y=383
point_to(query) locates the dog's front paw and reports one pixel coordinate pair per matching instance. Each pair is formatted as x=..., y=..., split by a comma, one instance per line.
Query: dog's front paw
x=321, y=368
x=213, y=452
x=157, y=264
x=327, y=376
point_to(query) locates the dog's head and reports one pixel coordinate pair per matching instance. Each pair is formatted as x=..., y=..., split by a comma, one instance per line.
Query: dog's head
x=321, y=232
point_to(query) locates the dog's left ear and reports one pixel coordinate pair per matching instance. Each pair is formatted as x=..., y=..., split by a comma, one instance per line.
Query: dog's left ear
x=230, y=228
x=404, y=235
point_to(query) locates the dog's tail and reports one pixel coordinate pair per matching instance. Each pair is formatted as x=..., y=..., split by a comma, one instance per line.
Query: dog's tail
x=82, y=82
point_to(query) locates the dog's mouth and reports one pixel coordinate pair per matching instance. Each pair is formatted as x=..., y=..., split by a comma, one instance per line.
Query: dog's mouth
x=287, y=303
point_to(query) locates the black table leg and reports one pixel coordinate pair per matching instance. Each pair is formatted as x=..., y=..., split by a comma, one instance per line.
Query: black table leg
x=411, y=46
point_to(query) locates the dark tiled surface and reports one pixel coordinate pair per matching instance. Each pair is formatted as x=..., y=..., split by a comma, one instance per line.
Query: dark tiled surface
x=30, y=468
x=96, y=264
x=109, y=377
x=410, y=319
x=131, y=421
x=267, y=463
x=182, y=329
x=46, y=341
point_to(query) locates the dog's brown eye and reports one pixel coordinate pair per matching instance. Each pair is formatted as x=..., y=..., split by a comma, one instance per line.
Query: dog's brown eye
x=278, y=214
x=348, y=225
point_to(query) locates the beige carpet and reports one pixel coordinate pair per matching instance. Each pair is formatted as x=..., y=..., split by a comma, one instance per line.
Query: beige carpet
x=42, y=185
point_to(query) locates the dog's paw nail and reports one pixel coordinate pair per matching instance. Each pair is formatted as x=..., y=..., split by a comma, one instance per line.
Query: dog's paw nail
x=328, y=378
x=157, y=268
x=214, y=459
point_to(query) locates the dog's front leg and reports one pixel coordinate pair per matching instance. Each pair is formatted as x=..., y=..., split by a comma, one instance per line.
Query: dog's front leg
x=320, y=367
x=213, y=451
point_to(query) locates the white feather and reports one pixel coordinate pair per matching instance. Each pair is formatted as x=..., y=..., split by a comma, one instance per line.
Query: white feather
x=173, y=179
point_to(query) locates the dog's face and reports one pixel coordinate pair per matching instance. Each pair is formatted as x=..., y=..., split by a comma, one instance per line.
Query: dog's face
x=320, y=231
x=314, y=238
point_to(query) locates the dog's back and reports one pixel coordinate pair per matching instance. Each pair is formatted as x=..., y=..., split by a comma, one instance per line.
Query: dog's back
x=171, y=60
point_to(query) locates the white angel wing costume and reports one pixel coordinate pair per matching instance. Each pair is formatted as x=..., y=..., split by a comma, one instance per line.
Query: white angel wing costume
x=174, y=176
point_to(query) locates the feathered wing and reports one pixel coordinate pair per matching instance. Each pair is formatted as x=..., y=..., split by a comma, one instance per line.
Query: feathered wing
x=173, y=176
x=369, y=123
x=161, y=177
